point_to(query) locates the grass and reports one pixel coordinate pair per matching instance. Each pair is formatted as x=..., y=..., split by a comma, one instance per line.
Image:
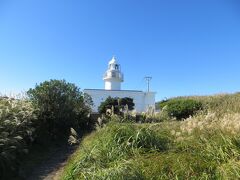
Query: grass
x=17, y=133
x=206, y=146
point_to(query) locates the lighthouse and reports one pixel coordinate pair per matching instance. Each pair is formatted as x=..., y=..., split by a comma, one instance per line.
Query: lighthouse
x=113, y=77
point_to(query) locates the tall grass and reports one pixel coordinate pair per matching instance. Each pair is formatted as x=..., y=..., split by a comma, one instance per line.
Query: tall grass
x=107, y=152
x=205, y=146
x=16, y=133
x=219, y=104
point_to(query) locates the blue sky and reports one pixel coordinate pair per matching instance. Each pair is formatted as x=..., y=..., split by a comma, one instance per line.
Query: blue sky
x=189, y=47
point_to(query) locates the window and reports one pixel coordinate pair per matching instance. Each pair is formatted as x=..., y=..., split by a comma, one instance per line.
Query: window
x=114, y=74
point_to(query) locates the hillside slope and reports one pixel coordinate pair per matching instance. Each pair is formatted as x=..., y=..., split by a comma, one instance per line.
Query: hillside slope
x=206, y=146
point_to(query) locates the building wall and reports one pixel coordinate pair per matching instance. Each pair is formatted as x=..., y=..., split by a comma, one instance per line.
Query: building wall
x=149, y=99
x=112, y=85
x=142, y=100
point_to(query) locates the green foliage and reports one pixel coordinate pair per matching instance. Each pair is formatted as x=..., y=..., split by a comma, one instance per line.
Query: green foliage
x=205, y=146
x=61, y=106
x=181, y=108
x=126, y=101
x=53, y=109
x=17, y=132
x=161, y=104
x=219, y=104
x=105, y=154
x=107, y=104
x=127, y=151
x=118, y=105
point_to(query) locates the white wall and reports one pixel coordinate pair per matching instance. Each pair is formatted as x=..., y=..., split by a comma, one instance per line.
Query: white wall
x=149, y=100
x=112, y=85
x=142, y=100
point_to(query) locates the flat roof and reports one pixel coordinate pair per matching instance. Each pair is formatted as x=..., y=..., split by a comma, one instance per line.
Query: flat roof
x=113, y=90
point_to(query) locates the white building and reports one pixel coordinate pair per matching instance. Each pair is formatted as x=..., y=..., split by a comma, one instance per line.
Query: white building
x=113, y=79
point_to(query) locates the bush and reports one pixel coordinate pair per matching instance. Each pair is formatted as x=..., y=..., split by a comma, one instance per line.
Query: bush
x=61, y=106
x=17, y=132
x=53, y=108
x=118, y=105
x=181, y=108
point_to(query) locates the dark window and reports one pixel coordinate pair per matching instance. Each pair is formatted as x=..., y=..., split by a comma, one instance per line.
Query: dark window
x=114, y=74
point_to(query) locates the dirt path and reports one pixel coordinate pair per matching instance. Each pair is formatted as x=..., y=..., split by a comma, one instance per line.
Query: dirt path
x=51, y=168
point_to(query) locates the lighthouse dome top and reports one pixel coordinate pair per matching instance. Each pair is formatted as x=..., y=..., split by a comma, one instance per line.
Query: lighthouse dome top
x=113, y=77
x=113, y=61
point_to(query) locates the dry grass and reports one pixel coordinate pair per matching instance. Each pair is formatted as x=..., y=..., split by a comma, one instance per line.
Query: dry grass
x=206, y=146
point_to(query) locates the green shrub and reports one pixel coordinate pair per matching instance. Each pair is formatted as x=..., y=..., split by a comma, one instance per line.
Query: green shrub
x=117, y=104
x=181, y=108
x=17, y=132
x=61, y=106
x=161, y=104
x=52, y=109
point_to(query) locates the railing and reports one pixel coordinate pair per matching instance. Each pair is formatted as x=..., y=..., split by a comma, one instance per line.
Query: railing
x=113, y=75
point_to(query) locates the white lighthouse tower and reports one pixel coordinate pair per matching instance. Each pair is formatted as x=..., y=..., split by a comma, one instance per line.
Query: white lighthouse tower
x=113, y=77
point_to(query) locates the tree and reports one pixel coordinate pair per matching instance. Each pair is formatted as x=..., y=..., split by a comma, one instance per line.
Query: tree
x=126, y=101
x=61, y=106
x=117, y=103
x=181, y=108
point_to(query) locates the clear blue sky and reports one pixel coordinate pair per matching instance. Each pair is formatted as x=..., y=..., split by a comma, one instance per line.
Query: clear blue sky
x=189, y=47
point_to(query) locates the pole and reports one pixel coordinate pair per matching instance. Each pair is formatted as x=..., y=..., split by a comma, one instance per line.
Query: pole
x=148, y=79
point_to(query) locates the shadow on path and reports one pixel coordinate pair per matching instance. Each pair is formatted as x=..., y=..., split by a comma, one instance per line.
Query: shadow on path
x=50, y=169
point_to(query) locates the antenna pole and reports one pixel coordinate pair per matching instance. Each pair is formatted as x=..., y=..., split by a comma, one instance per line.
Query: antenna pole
x=148, y=79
